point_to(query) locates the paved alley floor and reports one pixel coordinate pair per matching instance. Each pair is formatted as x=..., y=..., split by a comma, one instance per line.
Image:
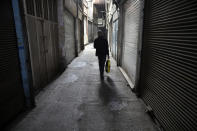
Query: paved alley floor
x=79, y=101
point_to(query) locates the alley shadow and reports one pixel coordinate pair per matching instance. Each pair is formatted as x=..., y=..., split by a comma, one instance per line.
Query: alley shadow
x=107, y=91
x=15, y=121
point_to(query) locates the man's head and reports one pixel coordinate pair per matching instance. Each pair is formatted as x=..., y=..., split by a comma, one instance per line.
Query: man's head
x=100, y=33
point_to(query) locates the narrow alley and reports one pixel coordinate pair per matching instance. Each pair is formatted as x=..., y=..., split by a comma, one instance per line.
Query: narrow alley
x=51, y=77
x=79, y=101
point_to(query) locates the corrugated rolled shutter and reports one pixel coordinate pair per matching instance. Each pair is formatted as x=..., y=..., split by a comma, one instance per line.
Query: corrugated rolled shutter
x=95, y=30
x=11, y=92
x=69, y=37
x=114, y=39
x=132, y=15
x=168, y=81
x=79, y=36
x=90, y=33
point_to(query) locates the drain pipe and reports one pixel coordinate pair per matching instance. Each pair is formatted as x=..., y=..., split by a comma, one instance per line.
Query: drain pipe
x=22, y=55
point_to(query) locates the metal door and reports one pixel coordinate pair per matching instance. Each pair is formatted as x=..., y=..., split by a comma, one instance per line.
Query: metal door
x=11, y=92
x=37, y=51
x=42, y=74
x=168, y=81
x=54, y=40
x=132, y=23
x=41, y=16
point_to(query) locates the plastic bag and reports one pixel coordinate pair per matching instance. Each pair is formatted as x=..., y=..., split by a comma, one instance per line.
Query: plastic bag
x=107, y=66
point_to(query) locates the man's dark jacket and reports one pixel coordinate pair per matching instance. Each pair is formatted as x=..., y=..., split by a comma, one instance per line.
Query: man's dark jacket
x=101, y=46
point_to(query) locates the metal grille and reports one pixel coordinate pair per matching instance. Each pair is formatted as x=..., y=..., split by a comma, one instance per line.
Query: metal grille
x=169, y=63
x=11, y=92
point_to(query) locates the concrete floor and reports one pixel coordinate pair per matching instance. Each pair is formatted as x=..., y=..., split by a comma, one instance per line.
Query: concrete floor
x=79, y=101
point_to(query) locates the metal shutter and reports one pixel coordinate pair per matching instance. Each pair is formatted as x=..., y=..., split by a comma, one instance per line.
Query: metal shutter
x=90, y=35
x=79, y=36
x=168, y=80
x=133, y=10
x=114, y=39
x=95, y=31
x=11, y=92
x=69, y=37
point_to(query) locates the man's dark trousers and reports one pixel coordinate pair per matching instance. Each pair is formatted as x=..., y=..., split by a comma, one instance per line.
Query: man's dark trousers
x=102, y=60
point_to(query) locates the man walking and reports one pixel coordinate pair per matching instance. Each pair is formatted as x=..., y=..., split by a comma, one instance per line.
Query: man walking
x=101, y=46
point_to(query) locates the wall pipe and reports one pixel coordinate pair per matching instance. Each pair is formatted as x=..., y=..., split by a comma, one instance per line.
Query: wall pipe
x=22, y=53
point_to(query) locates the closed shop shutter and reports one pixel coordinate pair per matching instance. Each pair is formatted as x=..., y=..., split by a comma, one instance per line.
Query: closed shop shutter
x=114, y=39
x=11, y=91
x=79, y=36
x=90, y=35
x=85, y=30
x=168, y=81
x=133, y=10
x=95, y=30
x=110, y=35
x=69, y=36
